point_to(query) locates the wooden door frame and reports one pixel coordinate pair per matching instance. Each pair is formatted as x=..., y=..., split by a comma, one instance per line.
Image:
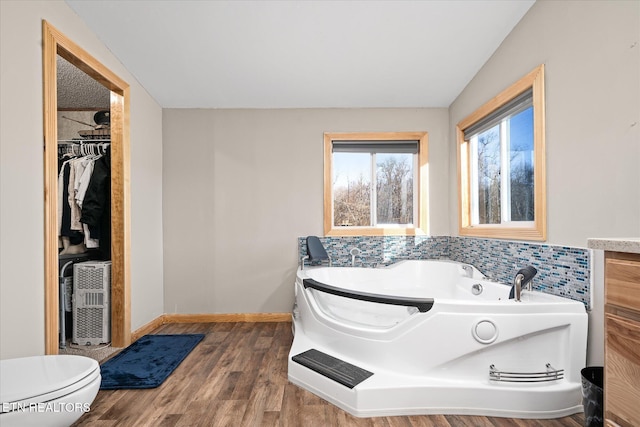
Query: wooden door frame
x=55, y=43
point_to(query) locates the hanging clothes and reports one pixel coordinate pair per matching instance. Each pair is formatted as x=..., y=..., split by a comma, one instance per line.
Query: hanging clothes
x=74, y=237
x=96, y=206
x=84, y=187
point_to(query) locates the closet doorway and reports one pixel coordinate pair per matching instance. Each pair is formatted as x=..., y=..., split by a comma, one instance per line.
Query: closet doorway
x=55, y=43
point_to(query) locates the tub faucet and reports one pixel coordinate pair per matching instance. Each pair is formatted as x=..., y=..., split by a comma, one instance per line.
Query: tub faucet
x=523, y=277
x=354, y=253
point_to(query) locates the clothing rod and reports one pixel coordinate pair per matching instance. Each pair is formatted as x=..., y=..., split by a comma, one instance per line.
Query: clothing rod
x=82, y=141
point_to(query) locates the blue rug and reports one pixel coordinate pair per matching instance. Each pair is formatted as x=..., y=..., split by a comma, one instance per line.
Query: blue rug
x=147, y=362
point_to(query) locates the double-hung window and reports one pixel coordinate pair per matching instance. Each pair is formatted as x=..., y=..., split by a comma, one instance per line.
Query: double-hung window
x=501, y=164
x=375, y=183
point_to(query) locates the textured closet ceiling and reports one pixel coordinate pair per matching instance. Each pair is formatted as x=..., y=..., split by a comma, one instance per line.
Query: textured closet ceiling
x=78, y=91
x=297, y=54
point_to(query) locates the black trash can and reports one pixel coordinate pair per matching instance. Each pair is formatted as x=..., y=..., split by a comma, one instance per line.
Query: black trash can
x=592, y=382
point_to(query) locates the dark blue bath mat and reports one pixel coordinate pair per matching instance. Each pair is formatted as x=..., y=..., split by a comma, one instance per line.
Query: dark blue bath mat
x=147, y=362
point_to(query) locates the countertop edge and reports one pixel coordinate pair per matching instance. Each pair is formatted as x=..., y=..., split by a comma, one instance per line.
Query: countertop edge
x=630, y=245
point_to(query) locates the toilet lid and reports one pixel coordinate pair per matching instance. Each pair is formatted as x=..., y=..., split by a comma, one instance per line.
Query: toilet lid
x=29, y=377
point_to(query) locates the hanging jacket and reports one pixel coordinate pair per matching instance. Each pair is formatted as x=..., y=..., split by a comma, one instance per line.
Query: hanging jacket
x=97, y=203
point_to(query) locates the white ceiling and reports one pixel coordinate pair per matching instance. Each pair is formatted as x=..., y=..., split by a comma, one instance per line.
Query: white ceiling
x=302, y=54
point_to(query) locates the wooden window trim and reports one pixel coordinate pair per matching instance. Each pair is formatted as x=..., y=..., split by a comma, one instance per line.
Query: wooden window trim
x=537, y=230
x=421, y=188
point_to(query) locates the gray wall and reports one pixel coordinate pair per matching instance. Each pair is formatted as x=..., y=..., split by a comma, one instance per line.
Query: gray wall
x=592, y=102
x=591, y=52
x=232, y=212
x=241, y=185
x=21, y=177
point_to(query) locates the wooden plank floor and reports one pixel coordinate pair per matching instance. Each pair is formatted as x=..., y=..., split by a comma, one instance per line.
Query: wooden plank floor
x=237, y=376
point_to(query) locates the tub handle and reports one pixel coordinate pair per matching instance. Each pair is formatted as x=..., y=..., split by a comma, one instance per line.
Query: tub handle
x=550, y=374
x=422, y=304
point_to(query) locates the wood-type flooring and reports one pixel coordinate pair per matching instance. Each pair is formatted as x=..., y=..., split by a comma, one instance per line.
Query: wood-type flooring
x=237, y=376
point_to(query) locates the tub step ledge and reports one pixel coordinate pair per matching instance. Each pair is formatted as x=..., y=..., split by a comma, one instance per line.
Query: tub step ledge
x=333, y=368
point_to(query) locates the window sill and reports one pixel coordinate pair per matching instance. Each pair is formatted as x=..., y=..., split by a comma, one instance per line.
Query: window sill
x=374, y=231
x=504, y=232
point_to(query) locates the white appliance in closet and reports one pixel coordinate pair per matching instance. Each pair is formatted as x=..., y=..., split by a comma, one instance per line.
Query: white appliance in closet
x=91, y=303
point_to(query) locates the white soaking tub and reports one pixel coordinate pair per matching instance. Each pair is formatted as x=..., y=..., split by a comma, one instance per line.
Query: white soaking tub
x=435, y=337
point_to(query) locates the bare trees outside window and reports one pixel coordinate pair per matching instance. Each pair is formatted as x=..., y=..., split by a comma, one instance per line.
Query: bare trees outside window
x=501, y=164
x=359, y=203
x=375, y=183
x=352, y=190
x=502, y=171
x=394, y=188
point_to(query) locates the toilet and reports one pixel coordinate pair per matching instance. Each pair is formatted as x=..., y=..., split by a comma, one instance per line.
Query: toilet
x=47, y=391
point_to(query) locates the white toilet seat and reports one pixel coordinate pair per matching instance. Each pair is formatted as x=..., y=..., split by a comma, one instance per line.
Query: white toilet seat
x=40, y=379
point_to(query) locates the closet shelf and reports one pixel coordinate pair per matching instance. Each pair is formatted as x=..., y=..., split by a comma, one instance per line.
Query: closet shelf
x=82, y=141
x=96, y=133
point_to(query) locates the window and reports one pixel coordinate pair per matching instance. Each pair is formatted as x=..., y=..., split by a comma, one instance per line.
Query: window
x=501, y=164
x=375, y=183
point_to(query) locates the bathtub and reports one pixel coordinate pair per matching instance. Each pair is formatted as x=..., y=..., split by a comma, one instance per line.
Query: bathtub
x=435, y=337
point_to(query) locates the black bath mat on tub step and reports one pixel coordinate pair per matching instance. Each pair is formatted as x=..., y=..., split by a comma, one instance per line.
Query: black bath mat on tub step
x=333, y=368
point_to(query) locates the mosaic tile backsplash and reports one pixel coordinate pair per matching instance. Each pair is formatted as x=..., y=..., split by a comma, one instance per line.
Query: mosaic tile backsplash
x=563, y=271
